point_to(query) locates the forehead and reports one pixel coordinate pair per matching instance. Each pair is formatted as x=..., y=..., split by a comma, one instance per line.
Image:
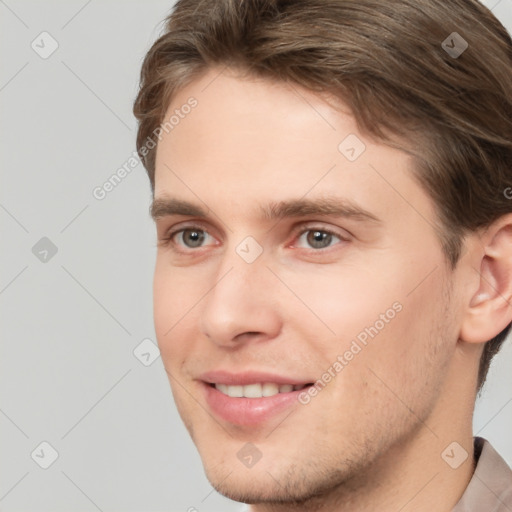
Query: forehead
x=254, y=141
x=248, y=122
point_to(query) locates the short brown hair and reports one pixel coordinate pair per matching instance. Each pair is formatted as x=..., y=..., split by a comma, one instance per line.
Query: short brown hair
x=389, y=61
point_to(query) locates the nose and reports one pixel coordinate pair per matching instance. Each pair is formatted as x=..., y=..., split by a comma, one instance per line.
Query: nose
x=241, y=306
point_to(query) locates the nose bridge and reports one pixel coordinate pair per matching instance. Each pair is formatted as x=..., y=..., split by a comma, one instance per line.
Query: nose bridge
x=243, y=265
x=239, y=300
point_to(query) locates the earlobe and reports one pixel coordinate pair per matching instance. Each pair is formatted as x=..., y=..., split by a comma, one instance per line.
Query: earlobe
x=489, y=309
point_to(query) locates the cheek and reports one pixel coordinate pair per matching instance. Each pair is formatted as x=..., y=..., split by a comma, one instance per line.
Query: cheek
x=170, y=305
x=341, y=303
x=380, y=316
x=174, y=297
x=407, y=360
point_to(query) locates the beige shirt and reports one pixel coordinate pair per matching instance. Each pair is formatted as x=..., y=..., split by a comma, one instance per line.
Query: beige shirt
x=490, y=488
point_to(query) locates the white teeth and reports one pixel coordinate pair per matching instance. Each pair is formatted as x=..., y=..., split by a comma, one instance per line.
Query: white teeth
x=252, y=391
x=270, y=389
x=256, y=390
x=223, y=388
x=235, y=391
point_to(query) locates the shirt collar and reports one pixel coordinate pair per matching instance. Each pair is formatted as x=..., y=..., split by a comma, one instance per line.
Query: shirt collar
x=490, y=488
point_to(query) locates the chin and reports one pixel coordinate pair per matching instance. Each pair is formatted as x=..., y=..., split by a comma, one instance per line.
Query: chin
x=248, y=487
x=277, y=481
x=295, y=489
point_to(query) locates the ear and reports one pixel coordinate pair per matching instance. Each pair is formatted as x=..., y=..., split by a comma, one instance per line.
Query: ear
x=489, y=309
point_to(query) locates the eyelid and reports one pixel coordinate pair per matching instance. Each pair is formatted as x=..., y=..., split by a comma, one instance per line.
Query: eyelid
x=180, y=226
x=341, y=233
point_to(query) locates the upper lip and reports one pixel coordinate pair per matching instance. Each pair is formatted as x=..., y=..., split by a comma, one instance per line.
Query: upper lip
x=248, y=377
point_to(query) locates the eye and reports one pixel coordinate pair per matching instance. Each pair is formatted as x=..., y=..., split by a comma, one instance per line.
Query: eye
x=194, y=237
x=191, y=237
x=319, y=238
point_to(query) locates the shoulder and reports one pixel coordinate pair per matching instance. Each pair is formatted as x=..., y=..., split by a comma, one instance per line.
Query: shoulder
x=490, y=488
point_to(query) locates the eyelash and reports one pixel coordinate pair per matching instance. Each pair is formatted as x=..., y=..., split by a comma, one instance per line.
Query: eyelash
x=167, y=239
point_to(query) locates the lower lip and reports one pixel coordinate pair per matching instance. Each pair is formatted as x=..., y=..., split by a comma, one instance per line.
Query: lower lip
x=248, y=411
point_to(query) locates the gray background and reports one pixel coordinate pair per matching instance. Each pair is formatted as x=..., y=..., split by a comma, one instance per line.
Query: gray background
x=71, y=321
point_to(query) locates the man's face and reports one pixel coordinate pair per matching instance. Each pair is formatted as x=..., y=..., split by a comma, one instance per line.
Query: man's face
x=244, y=296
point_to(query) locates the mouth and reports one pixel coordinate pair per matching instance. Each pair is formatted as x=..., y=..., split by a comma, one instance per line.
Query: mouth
x=250, y=398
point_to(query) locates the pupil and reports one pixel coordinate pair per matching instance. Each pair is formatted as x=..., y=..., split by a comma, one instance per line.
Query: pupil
x=319, y=239
x=195, y=237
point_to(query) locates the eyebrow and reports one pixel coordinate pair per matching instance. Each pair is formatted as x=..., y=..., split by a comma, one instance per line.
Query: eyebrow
x=333, y=206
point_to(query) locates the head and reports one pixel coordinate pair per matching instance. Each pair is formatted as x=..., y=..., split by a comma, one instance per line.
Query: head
x=340, y=217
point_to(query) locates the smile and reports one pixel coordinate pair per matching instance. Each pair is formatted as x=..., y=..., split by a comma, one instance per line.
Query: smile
x=257, y=390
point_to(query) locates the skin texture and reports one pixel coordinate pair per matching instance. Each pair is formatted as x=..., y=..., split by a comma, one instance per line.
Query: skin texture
x=376, y=432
